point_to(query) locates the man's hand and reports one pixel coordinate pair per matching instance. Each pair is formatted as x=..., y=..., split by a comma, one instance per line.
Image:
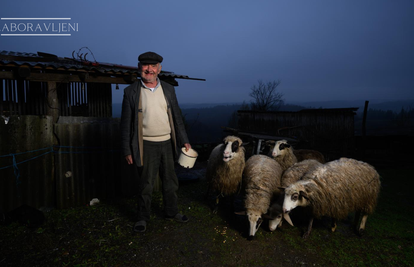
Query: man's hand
x=187, y=146
x=129, y=159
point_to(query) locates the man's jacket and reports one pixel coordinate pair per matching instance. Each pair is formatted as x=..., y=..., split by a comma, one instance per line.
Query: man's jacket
x=131, y=121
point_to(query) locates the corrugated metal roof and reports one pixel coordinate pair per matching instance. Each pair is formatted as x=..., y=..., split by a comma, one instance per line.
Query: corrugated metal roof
x=50, y=61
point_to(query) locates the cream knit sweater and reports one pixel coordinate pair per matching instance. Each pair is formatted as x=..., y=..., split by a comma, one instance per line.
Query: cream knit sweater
x=156, y=126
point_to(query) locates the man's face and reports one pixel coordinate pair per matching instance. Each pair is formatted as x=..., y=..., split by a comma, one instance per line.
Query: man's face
x=149, y=72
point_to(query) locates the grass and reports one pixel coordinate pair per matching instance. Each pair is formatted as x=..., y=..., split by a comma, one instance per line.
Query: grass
x=102, y=235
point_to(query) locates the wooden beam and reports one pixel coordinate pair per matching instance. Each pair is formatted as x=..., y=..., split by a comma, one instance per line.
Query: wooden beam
x=7, y=75
x=55, y=77
x=52, y=108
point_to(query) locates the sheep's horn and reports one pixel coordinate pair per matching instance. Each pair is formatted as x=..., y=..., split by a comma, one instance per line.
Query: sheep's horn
x=287, y=218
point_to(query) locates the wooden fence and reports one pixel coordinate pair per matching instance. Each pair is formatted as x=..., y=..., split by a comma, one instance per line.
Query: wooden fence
x=330, y=131
x=84, y=163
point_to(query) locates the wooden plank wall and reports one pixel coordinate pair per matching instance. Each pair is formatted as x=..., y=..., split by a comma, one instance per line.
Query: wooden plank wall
x=26, y=162
x=89, y=163
x=331, y=132
x=34, y=166
x=22, y=97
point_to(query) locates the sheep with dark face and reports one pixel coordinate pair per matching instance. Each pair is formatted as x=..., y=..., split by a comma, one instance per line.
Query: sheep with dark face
x=283, y=154
x=225, y=167
x=290, y=176
x=262, y=181
x=275, y=149
x=335, y=189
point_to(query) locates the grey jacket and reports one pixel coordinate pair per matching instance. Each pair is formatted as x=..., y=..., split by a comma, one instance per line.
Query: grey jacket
x=131, y=121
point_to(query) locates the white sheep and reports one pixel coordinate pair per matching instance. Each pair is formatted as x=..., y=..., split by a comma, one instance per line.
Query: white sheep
x=225, y=167
x=335, y=189
x=297, y=171
x=262, y=181
x=290, y=176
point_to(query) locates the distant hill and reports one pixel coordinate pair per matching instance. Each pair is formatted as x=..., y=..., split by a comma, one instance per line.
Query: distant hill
x=394, y=106
x=205, y=125
x=205, y=122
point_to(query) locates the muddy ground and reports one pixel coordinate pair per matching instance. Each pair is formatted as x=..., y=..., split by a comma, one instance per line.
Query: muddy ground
x=102, y=235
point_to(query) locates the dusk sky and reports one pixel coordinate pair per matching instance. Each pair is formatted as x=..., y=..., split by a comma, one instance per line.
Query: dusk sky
x=319, y=50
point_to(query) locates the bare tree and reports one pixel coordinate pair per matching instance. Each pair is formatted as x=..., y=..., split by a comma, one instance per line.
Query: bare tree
x=265, y=96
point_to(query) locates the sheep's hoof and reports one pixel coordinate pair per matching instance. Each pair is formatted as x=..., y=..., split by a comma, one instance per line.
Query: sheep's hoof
x=333, y=226
x=306, y=235
x=215, y=210
x=250, y=238
x=361, y=232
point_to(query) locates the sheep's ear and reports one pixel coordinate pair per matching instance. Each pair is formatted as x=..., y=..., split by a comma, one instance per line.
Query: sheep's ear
x=270, y=142
x=245, y=144
x=240, y=212
x=282, y=188
x=304, y=194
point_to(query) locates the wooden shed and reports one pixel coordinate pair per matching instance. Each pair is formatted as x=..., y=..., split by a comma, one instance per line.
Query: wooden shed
x=59, y=145
x=330, y=131
x=45, y=84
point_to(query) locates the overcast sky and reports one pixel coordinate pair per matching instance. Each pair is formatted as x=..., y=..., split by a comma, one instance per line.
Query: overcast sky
x=319, y=50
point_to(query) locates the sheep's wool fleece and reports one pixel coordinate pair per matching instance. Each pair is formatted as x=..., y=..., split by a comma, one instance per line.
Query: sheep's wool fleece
x=304, y=154
x=297, y=170
x=287, y=158
x=225, y=177
x=339, y=187
x=262, y=176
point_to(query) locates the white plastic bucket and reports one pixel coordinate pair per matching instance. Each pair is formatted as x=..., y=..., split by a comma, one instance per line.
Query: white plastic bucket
x=187, y=158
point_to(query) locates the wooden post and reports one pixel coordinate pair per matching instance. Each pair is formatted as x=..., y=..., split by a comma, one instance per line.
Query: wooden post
x=52, y=108
x=364, y=119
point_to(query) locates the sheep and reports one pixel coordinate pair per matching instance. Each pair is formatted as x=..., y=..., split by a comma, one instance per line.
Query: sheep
x=225, y=167
x=300, y=154
x=335, y=189
x=262, y=181
x=304, y=154
x=297, y=171
x=291, y=175
x=283, y=154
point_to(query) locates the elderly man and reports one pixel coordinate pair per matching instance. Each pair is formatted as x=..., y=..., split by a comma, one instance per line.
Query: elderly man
x=152, y=133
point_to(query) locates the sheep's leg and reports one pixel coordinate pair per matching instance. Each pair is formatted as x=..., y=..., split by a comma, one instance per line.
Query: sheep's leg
x=356, y=219
x=333, y=225
x=358, y=222
x=306, y=235
x=362, y=225
x=215, y=208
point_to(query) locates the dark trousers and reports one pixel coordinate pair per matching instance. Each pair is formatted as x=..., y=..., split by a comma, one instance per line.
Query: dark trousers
x=158, y=159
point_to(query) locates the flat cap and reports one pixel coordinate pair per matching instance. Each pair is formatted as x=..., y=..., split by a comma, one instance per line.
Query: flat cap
x=150, y=58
